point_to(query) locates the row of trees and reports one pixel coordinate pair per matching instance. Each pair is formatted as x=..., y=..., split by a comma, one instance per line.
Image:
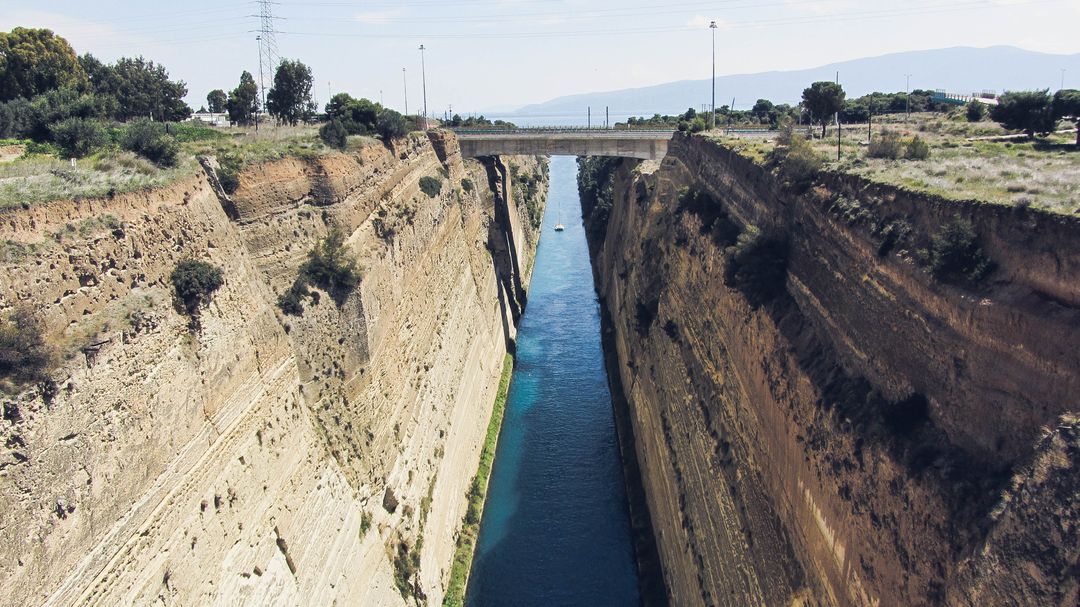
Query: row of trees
x=1036, y=112
x=349, y=116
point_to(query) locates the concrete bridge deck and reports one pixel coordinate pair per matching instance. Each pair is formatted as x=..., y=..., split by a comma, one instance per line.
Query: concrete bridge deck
x=645, y=144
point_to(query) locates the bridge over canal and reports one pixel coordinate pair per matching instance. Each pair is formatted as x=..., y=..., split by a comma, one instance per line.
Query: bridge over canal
x=645, y=144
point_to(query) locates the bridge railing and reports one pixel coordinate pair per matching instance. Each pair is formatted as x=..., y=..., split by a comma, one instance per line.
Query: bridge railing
x=558, y=130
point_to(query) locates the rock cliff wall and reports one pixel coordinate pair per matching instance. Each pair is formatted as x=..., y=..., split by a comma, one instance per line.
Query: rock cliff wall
x=866, y=434
x=263, y=458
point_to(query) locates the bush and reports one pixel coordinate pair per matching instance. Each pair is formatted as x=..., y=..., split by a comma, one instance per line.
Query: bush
x=975, y=111
x=391, y=125
x=887, y=145
x=800, y=163
x=78, y=137
x=229, y=173
x=757, y=266
x=917, y=149
x=1028, y=111
x=149, y=140
x=335, y=134
x=195, y=282
x=24, y=355
x=430, y=186
x=467, y=185
x=328, y=267
x=955, y=255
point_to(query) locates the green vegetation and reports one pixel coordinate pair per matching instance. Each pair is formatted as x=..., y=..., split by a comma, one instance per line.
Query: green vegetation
x=431, y=186
x=24, y=354
x=289, y=101
x=335, y=134
x=243, y=102
x=217, y=101
x=36, y=61
x=364, y=117
x=527, y=188
x=1028, y=111
x=796, y=158
x=330, y=267
x=195, y=282
x=757, y=266
x=955, y=255
x=467, y=185
x=406, y=564
x=77, y=137
x=887, y=145
x=457, y=122
x=976, y=111
x=151, y=141
x=596, y=186
x=917, y=149
x=365, y=523
x=466, y=541
x=823, y=100
x=1066, y=105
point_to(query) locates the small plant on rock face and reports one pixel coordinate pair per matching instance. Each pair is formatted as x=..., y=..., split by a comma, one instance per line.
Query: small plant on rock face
x=24, y=354
x=757, y=266
x=467, y=185
x=195, y=282
x=955, y=255
x=430, y=186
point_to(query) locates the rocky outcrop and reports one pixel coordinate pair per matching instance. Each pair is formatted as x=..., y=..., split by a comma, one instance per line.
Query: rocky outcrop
x=249, y=460
x=842, y=430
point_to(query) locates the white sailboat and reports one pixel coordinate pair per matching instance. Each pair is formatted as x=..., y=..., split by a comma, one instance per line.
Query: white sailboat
x=559, y=227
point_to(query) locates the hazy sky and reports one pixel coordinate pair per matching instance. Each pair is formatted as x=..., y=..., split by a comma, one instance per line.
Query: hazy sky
x=485, y=54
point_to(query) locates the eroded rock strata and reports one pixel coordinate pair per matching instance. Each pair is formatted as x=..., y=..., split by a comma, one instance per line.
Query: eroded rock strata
x=817, y=419
x=261, y=458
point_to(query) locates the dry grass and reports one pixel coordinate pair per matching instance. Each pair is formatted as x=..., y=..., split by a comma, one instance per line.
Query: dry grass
x=1043, y=173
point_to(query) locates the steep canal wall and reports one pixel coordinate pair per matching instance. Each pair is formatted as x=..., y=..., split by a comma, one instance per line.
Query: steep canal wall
x=817, y=419
x=258, y=457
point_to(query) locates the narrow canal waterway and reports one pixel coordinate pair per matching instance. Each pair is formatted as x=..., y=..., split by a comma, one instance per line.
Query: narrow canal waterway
x=556, y=527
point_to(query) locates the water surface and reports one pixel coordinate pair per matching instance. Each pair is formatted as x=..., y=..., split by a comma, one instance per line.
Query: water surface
x=556, y=527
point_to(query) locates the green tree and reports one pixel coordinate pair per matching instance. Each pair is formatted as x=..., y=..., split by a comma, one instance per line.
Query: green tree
x=762, y=109
x=290, y=99
x=142, y=89
x=78, y=137
x=33, y=61
x=975, y=111
x=391, y=126
x=243, y=102
x=1028, y=111
x=338, y=106
x=1067, y=105
x=195, y=282
x=823, y=100
x=149, y=140
x=216, y=101
x=334, y=134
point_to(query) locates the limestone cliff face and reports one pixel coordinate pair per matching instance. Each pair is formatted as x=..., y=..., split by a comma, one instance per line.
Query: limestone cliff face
x=868, y=436
x=263, y=458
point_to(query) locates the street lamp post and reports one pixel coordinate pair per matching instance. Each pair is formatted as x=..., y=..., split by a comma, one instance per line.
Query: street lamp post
x=907, y=109
x=423, y=78
x=405, y=83
x=712, y=115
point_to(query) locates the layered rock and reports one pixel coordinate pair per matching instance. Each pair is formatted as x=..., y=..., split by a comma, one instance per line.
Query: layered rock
x=848, y=439
x=258, y=458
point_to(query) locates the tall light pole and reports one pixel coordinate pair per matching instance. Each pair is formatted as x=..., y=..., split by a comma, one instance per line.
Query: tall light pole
x=423, y=77
x=405, y=83
x=712, y=115
x=907, y=110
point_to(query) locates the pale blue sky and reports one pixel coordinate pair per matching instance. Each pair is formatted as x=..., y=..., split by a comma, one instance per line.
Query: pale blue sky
x=485, y=54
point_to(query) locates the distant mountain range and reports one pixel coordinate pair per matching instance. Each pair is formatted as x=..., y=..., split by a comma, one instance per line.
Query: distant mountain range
x=958, y=70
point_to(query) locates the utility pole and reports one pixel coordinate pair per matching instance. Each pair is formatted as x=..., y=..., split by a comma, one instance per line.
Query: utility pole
x=907, y=110
x=712, y=115
x=423, y=77
x=405, y=82
x=589, y=123
x=607, y=116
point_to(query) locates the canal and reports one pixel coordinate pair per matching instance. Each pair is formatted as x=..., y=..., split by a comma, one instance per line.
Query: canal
x=556, y=527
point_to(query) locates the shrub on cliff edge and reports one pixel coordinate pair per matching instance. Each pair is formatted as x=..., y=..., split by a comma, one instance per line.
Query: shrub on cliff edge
x=955, y=255
x=195, y=282
x=430, y=186
x=24, y=354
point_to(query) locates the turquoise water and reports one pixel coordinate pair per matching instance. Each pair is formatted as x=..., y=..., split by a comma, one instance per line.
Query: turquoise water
x=556, y=528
